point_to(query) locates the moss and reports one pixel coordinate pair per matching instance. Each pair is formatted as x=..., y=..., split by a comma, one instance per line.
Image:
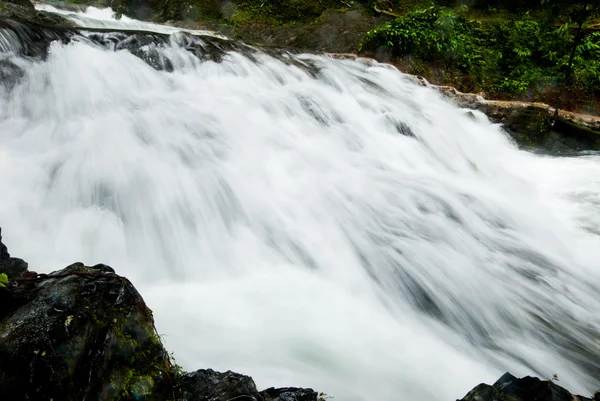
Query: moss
x=530, y=126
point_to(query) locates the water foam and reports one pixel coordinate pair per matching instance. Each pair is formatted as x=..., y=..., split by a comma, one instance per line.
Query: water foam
x=333, y=226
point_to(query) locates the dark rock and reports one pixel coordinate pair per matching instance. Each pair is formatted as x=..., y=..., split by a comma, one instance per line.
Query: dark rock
x=24, y=11
x=532, y=124
x=10, y=74
x=104, y=268
x=3, y=249
x=80, y=334
x=22, y=3
x=289, y=394
x=510, y=388
x=208, y=385
x=12, y=267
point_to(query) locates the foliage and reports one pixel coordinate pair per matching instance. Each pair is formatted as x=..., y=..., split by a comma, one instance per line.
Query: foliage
x=522, y=55
x=432, y=34
x=3, y=280
x=282, y=11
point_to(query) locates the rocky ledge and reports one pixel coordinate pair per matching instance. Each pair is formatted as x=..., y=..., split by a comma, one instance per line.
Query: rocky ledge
x=532, y=124
x=84, y=333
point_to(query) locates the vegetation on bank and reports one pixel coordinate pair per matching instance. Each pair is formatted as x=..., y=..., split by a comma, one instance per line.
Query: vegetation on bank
x=546, y=51
x=276, y=12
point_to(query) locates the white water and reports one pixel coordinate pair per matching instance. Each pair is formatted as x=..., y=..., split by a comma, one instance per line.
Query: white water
x=295, y=248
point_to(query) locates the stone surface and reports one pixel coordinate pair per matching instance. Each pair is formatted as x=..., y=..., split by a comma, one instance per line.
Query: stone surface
x=208, y=385
x=24, y=11
x=532, y=124
x=510, y=388
x=12, y=267
x=290, y=394
x=80, y=333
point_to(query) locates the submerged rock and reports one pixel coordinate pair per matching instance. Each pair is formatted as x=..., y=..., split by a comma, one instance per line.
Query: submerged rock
x=85, y=333
x=510, y=388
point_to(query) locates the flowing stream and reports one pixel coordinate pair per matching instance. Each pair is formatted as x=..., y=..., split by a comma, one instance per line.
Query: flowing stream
x=304, y=220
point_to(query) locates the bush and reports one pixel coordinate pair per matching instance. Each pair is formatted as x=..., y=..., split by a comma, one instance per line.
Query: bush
x=513, y=56
x=435, y=33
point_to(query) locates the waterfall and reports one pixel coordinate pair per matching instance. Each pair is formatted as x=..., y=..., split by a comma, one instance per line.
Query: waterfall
x=302, y=219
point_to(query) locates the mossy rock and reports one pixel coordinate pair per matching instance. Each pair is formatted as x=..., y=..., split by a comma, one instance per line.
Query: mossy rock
x=530, y=125
x=60, y=331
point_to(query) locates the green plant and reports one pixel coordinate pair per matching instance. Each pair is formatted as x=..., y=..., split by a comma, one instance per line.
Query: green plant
x=3, y=280
x=506, y=55
x=323, y=397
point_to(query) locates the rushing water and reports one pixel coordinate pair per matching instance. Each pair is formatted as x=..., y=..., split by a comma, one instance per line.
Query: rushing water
x=305, y=220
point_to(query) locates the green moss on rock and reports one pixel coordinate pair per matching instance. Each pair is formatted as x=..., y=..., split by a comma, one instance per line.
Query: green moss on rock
x=78, y=323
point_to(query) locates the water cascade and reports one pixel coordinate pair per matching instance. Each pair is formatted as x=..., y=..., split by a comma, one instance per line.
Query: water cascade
x=306, y=220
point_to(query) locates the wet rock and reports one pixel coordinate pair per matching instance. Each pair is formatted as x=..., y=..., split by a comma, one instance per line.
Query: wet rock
x=208, y=385
x=10, y=74
x=289, y=394
x=80, y=333
x=24, y=11
x=510, y=388
x=3, y=249
x=23, y=3
x=12, y=267
x=533, y=124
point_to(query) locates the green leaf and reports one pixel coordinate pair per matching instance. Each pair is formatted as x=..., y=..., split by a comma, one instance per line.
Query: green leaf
x=3, y=280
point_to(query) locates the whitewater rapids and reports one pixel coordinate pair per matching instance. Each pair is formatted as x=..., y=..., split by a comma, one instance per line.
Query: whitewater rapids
x=304, y=220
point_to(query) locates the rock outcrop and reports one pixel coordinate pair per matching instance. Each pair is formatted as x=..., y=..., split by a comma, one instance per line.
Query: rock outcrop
x=510, y=388
x=532, y=124
x=84, y=333
x=24, y=11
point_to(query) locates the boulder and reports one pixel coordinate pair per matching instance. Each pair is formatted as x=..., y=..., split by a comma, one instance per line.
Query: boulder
x=208, y=385
x=80, y=333
x=510, y=388
x=290, y=394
